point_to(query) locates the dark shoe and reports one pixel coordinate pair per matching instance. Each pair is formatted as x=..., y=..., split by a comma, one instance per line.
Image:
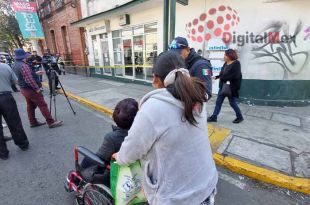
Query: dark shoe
x=4, y=157
x=55, y=124
x=58, y=88
x=6, y=138
x=212, y=119
x=24, y=147
x=38, y=124
x=238, y=120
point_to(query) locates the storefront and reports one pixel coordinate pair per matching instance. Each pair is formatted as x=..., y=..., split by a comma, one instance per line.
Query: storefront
x=122, y=44
x=273, y=48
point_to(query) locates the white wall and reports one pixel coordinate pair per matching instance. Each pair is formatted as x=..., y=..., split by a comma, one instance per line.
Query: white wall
x=255, y=16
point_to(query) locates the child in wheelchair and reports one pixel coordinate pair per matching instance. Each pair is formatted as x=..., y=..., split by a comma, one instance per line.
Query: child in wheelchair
x=94, y=168
x=123, y=116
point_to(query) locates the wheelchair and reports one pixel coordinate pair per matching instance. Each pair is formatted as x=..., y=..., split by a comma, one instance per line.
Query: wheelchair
x=89, y=188
x=79, y=181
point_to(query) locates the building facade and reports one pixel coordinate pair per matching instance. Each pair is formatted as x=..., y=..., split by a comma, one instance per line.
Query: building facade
x=123, y=37
x=60, y=37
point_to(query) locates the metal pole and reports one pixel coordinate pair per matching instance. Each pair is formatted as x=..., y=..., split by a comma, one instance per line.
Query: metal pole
x=172, y=20
x=166, y=25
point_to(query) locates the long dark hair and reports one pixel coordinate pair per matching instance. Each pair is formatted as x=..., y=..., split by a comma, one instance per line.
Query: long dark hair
x=187, y=89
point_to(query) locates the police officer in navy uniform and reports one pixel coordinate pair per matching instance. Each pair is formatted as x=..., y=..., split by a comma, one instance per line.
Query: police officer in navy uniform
x=197, y=65
x=9, y=111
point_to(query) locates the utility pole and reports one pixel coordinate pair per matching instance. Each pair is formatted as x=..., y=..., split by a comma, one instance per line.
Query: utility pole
x=169, y=20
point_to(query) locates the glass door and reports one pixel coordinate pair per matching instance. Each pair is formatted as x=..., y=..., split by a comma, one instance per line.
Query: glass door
x=106, y=57
x=138, y=43
x=96, y=54
x=127, y=48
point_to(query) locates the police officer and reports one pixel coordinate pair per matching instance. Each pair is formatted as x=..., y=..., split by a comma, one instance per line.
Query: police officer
x=8, y=109
x=197, y=65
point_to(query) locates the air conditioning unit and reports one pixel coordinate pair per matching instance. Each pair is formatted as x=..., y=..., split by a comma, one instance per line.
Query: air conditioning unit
x=124, y=20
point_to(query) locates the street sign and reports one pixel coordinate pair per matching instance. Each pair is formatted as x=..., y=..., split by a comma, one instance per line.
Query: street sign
x=183, y=2
x=28, y=20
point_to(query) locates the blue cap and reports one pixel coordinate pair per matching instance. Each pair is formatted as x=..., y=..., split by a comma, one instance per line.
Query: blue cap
x=179, y=43
x=20, y=54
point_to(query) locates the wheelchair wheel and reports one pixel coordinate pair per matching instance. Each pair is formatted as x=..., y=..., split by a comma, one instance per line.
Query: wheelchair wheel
x=97, y=195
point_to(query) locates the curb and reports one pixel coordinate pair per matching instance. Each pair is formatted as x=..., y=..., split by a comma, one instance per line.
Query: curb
x=261, y=174
x=271, y=177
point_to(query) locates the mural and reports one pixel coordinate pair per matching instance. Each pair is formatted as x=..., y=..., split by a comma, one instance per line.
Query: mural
x=279, y=46
x=212, y=24
x=307, y=34
x=281, y=49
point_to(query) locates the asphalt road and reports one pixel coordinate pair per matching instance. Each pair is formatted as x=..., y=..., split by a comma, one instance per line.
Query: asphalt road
x=35, y=177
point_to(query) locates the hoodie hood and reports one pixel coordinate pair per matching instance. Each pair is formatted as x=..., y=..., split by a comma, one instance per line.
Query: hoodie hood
x=162, y=94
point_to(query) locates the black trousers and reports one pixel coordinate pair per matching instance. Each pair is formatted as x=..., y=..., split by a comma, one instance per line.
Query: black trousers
x=9, y=111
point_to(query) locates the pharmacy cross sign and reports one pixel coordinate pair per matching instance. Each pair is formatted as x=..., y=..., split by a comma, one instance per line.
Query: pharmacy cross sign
x=28, y=20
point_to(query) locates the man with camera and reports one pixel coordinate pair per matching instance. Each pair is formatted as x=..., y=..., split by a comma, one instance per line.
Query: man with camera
x=49, y=63
x=31, y=91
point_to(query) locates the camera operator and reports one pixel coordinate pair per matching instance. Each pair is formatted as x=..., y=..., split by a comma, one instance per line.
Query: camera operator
x=49, y=62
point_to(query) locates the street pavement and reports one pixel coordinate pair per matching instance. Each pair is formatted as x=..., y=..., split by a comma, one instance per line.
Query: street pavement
x=276, y=138
x=35, y=177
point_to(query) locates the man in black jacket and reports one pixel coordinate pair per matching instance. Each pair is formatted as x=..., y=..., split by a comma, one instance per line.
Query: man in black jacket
x=197, y=65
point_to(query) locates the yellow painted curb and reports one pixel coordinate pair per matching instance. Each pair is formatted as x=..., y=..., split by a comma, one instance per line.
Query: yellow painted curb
x=262, y=174
x=217, y=136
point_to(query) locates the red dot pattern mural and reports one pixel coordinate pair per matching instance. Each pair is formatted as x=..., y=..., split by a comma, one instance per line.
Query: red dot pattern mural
x=214, y=23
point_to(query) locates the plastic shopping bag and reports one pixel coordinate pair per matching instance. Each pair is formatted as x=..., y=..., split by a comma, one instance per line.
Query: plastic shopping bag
x=126, y=184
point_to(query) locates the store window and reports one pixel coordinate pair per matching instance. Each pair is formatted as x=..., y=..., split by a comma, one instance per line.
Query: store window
x=134, y=48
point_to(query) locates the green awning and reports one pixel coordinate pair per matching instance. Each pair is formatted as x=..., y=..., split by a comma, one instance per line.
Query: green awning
x=106, y=14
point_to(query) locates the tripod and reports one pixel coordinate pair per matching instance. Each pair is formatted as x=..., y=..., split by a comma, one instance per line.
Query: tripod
x=52, y=77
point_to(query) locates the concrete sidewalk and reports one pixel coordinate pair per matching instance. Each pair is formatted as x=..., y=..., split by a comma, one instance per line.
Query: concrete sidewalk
x=274, y=138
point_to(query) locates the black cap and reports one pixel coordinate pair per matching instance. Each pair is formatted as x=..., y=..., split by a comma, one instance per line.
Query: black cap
x=179, y=43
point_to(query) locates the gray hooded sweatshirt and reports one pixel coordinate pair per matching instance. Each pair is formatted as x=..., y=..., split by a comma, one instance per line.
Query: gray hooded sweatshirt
x=176, y=156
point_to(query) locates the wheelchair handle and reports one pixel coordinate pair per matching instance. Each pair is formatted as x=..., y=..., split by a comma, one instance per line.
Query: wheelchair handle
x=88, y=154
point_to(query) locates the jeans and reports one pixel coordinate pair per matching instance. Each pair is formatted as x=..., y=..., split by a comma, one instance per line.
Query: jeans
x=9, y=111
x=35, y=100
x=232, y=101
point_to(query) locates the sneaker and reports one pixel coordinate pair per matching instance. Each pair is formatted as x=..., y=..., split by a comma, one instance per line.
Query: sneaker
x=55, y=124
x=24, y=147
x=238, y=120
x=38, y=124
x=212, y=119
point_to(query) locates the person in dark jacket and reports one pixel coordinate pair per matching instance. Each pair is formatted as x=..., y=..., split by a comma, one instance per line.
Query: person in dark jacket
x=123, y=116
x=9, y=111
x=231, y=72
x=197, y=65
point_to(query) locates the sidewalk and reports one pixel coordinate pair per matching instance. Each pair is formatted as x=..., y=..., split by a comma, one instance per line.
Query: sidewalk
x=274, y=138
